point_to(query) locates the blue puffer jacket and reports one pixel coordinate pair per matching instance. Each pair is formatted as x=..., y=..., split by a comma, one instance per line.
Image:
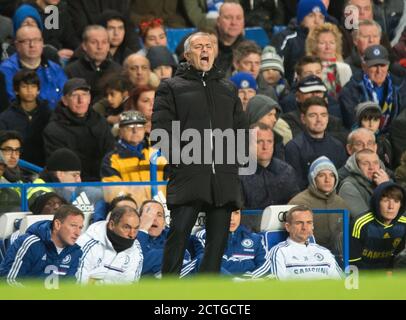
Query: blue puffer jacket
x=34, y=255
x=51, y=75
x=245, y=253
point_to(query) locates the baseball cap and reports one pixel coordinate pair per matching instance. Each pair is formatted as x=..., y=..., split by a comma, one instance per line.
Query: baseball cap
x=311, y=84
x=75, y=84
x=132, y=117
x=376, y=54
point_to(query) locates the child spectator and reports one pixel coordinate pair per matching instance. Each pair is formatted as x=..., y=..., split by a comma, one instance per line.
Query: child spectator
x=368, y=115
x=116, y=91
x=28, y=115
x=272, y=71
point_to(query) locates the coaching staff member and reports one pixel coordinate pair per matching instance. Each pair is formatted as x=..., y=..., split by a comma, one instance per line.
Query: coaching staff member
x=199, y=98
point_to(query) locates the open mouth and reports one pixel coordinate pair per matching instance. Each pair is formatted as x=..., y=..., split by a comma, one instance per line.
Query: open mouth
x=204, y=59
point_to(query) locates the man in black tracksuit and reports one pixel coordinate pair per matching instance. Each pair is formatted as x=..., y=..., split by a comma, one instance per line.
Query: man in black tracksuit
x=199, y=98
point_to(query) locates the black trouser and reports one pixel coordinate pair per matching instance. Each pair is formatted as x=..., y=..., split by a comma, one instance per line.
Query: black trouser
x=183, y=219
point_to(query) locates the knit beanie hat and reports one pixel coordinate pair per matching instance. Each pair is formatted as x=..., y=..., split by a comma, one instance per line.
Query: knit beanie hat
x=362, y=107
x=39, y=203
x=271, y=60
x=23, y=12
x=320, y=164
x=160, y=56
x=306, y=7
x=259, y=106
x=63, y=159
x=244, y=80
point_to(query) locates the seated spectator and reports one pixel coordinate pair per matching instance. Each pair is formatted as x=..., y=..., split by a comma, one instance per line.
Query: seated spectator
x=239, y=259
x=230, y=30
x=202, y=14
x=10, y=198
x=46, y=204
x=142, y=99
x=79, y=128
x=306, y=67
x=29, y=46
x=138, y=69
x=246, y=85
x=162, y=62
x=290, y=43
x=321, y=194
x=296, y=258
x=375, y=84
x=63, y=38
x=368, y=115
x=378, y=235
x=265, y=110
x=314, y=141
x=96, y=62
x=274, y=182
x=28, y=115
x=117, y=91
x=131, y=158
x=11, y=145
x=272, y=72
x=247, y=58
x=325, y=41
x=111, y=253
x=365, y=173
x=46, y=246
x=117, y=28
x=88, y=13
x=152, y=33
x=169, y=10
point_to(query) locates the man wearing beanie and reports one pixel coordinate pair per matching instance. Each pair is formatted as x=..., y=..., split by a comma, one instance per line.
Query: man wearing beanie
x=246, y=85
x=321, y=194
x=290, y=44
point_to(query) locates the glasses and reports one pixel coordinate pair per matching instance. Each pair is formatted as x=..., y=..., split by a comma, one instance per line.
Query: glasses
x=8, y=151
x=28, y=42
x=133, y=127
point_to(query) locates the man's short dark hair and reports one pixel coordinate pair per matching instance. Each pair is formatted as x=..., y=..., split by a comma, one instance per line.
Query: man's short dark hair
x=260, y=126
x=393, y=192
x=304, y=61
x=6, y=135
x=369, y=114
x=313, y=101
x=26, y=77
x=150, y=201
x=65, y=211
x=289, y=215
x=245, y=48
x=117, y=82
x=119, y=212
x=125, y=197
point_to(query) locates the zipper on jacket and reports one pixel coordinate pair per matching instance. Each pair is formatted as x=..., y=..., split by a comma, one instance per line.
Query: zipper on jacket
x=213, y=169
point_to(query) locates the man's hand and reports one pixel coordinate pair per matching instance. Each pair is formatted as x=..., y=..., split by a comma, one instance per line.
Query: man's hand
x=380, y=176
x=147, y=219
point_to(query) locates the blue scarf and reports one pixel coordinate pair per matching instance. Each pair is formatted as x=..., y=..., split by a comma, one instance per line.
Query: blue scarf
x=373, y=96
x=135, y=151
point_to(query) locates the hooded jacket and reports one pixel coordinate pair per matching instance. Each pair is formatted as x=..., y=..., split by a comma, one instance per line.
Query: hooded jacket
x=373, y=244
x=356, y=189
x=51, y=77
x=89, y=137
x=34, y=255
x=200, y=101
x=102, y=263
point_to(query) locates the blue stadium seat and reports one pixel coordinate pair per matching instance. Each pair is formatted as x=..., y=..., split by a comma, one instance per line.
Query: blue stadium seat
x=176, y=35
x=258, y=35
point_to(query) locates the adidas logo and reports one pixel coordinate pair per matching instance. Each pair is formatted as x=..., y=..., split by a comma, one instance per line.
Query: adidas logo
x=82, y=203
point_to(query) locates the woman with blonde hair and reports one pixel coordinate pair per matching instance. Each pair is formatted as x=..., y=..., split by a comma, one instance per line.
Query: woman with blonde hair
x=325, y=42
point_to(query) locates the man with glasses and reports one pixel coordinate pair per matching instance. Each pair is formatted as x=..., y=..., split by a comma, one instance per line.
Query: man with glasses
x=29, y=46
x=79, y=128
x=130, y=160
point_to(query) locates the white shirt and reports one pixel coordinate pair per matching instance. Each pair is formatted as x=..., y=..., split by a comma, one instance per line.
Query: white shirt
x=293, y=260
x=102, y=264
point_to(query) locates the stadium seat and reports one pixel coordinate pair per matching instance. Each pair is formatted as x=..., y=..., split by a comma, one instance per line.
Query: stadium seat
x=258, y=35
x=7, y=222
x=31, y=219
x=272, y=238
x=175, y=36
x=87, y=220
x=272, y=219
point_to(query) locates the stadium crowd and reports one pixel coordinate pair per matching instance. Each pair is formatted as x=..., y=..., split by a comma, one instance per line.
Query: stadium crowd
x=326, y=99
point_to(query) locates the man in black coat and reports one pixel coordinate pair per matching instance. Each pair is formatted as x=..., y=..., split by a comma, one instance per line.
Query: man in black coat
x=198, y=98
x=79, y=128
